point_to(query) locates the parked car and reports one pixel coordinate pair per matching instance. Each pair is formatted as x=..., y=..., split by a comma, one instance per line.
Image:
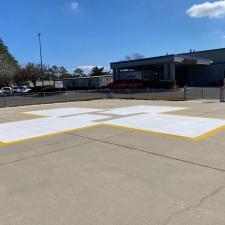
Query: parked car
x=16, y=89
x=6, y=91
x=21, y=89
x=24, y=89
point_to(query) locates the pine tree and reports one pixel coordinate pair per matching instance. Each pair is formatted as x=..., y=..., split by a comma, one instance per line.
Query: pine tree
x=6, y=56
x=8, y=66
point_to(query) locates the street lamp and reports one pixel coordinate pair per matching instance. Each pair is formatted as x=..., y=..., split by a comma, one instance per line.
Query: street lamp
x=42, y=73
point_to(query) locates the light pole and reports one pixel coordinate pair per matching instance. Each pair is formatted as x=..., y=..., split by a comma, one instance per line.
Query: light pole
x=42, y=74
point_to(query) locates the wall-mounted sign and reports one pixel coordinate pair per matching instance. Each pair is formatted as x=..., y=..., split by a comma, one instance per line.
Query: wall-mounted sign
x=190, y=61
x=150, y=76
x=130, y=75
x=59, y=84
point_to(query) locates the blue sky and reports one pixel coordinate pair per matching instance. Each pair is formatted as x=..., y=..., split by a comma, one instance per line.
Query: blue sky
x=97, y=32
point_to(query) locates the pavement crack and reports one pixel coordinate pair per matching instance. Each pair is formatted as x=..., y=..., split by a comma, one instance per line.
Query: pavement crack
x=198, y=204
x=91, y=140
x=43, y=154
x=164, y=156
x=104, y=140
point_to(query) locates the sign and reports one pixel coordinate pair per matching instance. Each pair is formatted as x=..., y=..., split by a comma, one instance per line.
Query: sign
x=190, y=61
x=59, y=84
x=150, y=76
x=126, y=75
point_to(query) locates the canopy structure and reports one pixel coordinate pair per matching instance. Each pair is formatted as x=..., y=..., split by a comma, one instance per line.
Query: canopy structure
x=165, y=66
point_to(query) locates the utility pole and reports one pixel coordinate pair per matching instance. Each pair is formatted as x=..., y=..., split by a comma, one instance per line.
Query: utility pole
x=42, y=73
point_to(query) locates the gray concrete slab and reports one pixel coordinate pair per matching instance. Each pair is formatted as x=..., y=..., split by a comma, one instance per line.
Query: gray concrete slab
x=108, y=175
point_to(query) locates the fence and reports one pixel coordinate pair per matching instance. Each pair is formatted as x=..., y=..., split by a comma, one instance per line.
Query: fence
x=145, y=94
x=204, y=93
x=47, y=98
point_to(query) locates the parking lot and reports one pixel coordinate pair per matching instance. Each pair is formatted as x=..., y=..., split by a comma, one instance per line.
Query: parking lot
x=113, y=161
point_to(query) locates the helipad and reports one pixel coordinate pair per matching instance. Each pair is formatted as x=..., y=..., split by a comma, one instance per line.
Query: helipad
x=113, y=162
x=143, y=118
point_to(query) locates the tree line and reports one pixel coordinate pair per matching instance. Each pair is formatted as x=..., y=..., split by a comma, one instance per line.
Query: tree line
x=12, y=73
x=33, y=72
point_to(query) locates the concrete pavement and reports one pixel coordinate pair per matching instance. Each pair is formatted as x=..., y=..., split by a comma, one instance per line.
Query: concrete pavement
x=107, y=175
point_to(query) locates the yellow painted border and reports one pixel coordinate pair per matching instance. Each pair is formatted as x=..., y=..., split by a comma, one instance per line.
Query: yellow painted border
x=147, y=131
x=35, y=115
x=2, y=144
x=199, y=138
x=210, y=133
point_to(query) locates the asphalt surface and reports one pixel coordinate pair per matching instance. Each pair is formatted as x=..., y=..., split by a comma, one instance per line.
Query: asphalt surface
x=116, y=176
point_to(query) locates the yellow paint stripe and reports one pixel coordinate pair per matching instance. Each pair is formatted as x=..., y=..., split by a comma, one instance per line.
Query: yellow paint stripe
x=33, y=114
x=210, y=133
x=2, y=144
x=202, y=137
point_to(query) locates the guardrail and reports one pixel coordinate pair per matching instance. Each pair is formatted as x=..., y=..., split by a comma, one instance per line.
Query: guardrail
x=183, y=94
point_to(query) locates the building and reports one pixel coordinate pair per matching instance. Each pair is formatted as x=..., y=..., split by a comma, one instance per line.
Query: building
x=88, y=82
x=195, y=68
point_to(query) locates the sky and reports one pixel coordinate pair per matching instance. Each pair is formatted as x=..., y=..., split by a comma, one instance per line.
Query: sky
x=86, y=33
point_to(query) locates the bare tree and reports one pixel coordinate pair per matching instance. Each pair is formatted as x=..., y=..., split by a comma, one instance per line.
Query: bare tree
x=32, y=72
x=21, y=77
x=134, y=56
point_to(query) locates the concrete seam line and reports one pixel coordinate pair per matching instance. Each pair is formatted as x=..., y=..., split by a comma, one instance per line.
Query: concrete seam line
x=165, y=156
x=46, y=153
x=55, y=151
x=123, y=146
x=151, y=153
x=200, y=202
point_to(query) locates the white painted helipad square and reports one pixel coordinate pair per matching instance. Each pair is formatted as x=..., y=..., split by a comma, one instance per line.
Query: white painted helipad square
x=16, y=131
x=63, y=112
x=142, y=109
x=185, y=126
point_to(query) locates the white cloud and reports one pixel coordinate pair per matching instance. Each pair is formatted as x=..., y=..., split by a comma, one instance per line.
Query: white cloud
x=86, y=68
x=74, y=5
x=207, y=9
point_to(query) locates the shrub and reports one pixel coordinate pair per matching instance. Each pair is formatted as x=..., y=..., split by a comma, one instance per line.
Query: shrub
x=47, y=89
